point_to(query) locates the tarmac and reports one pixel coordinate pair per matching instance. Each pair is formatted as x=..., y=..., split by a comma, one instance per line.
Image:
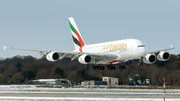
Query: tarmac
x=33, y=93
x=80, y=96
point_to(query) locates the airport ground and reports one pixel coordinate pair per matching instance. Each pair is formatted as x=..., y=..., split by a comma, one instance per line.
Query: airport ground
x=33, y=93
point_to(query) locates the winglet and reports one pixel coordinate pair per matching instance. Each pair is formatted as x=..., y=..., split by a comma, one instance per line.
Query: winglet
x=4, y=47
x=172, y=46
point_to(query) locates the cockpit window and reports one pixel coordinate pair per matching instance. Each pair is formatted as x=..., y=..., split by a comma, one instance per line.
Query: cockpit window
x=141, y=46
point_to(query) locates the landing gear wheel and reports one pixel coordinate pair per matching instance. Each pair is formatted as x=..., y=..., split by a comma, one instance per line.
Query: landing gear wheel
x=122, y=67
x=111, y=67
x=97, y=67
x=140, y=64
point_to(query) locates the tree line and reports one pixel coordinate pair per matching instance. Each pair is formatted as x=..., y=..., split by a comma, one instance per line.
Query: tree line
x=22, y=69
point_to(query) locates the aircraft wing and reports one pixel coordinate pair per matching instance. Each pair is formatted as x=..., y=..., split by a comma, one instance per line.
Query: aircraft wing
x=158, y=50
x=72, y=55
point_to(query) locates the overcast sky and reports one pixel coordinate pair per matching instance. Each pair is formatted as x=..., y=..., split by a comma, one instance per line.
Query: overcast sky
x=43, y=24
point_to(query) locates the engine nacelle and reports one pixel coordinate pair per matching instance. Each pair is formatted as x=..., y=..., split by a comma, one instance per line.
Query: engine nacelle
x=52, y=56
x=149, y=59
x=163, y=56
x=84, y=59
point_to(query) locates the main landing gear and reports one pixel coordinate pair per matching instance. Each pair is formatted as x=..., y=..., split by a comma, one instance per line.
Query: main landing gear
x=98, y=67
x=109, y=67
x=122, y=67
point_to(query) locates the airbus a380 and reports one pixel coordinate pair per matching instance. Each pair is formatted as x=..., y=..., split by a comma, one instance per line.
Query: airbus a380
x=108, y=53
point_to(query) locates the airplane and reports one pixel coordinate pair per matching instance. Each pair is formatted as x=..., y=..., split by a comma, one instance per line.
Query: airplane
x=107, y=53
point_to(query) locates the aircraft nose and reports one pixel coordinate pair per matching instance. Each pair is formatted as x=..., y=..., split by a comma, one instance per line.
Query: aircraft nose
x=144, y=51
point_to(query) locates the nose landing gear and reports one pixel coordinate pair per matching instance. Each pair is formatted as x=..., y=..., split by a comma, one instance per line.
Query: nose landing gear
x=140, y=63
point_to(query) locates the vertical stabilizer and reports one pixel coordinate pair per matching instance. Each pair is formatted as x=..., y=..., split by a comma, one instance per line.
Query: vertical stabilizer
x=77, y=38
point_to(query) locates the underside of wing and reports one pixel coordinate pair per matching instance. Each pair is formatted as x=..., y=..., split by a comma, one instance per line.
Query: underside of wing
x=86, y=58
x=83, y=57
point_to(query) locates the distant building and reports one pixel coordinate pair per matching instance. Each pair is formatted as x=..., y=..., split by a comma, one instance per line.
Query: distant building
x=92, y=82
x=51, y=81
x=110, y=80
x=105, y=81
x=83, y=83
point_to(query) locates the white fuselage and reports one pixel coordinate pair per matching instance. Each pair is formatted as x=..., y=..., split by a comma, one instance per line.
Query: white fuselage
x=127, y=49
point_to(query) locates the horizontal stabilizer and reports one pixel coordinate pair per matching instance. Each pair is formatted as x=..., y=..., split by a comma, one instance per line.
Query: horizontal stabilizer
x=4, y=47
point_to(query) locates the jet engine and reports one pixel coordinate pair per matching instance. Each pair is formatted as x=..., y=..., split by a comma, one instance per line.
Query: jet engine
x=149, y=59
x=163, y=56
x=84, y=59
x=52, y=56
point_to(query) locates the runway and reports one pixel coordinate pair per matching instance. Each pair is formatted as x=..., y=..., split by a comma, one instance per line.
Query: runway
x=12, y=93
x=86, y=96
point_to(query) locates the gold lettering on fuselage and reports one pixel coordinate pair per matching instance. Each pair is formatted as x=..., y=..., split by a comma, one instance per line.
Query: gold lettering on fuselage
x=106, y=47
x=113, y=47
